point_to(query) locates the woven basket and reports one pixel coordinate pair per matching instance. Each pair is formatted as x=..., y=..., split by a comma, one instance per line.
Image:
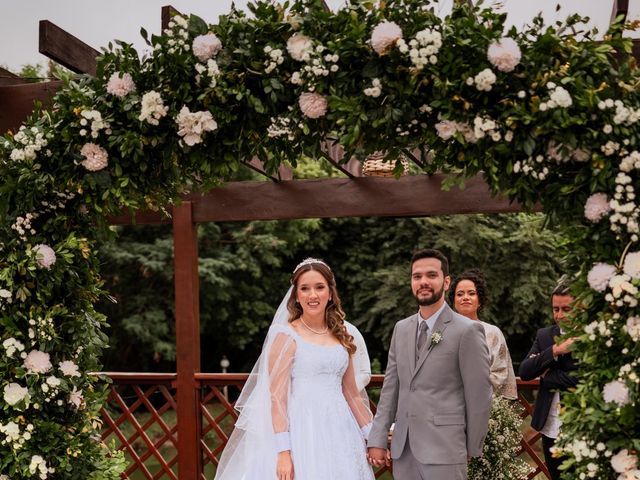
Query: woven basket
x=376, y=166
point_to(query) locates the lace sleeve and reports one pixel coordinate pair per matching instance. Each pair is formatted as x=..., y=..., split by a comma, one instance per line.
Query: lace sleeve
x=281, y=356
x=357, y=400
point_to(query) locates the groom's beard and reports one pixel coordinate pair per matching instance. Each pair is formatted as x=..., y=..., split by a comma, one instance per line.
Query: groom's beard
x=426, y=301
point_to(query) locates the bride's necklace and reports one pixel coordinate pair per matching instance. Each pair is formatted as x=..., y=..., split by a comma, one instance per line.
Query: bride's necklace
x=317, y=332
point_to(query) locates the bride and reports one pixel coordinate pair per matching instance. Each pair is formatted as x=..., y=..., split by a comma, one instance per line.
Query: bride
x=301, y=414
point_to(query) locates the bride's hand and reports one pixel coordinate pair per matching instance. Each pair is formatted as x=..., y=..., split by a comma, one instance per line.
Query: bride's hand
x=284, y=468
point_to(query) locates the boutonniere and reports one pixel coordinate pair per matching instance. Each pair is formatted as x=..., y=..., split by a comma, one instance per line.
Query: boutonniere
x=436, y=338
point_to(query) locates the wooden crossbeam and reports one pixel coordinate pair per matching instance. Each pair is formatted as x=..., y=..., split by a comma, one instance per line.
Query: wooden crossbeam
x=409, y=196
x=62, y=47
x=167, y=12
x=17, y=102
x=9, y=78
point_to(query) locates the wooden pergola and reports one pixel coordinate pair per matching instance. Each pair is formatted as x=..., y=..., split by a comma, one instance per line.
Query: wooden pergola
x=278, y=198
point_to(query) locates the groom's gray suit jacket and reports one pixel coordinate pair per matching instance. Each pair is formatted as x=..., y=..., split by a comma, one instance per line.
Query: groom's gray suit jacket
x=440, y=403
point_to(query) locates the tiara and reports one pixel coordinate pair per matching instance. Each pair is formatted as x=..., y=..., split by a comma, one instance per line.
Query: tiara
x=309, y=261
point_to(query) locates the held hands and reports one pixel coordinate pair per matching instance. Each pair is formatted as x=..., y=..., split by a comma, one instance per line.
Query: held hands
x=564, y=347
x=284, y=469
x=379, y=456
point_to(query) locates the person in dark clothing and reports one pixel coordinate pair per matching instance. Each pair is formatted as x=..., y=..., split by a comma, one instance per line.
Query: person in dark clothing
x=550, y=359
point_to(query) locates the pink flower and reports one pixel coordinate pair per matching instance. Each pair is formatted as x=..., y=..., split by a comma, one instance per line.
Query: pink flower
x=313, y=105
x=599, y=276
x=206, y=46
x=191, y=125
x=632, y=264
x=37, y=362
x=384, y=37
x=120, y=84
x=45, y=256
x=597, y=207
x=504, y=54
x=69, y=368
x=96, y=157
x=616, y=392
x=623, y=461
x=299, y=47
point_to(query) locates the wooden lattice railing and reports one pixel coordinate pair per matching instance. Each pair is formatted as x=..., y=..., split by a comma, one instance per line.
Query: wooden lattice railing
x=140, y=418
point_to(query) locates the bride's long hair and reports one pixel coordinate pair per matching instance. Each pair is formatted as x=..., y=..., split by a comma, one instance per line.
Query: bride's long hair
x=334, y=315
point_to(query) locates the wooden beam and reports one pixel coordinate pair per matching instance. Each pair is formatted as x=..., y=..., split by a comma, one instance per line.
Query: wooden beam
x=409, y=196
x=9, y=78
x=67, y=50
x=189, y=418
x=620, y=7
x=167, y=12
x=17, y=102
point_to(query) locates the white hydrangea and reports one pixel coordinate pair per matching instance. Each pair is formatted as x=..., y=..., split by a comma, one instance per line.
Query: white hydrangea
x=69, y=368
x=37, y=362
x=616, y=392
x=299, y=47
x=192, y=125
x=15, y=393
x=384, y=37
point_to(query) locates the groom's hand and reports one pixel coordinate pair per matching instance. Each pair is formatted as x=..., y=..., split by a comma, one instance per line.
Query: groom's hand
x=379, y=456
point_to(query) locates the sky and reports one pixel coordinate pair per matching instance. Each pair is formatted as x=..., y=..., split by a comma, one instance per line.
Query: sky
x=96, y=22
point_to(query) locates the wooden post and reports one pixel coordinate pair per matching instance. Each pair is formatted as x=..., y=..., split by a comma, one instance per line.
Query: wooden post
x=187, y=341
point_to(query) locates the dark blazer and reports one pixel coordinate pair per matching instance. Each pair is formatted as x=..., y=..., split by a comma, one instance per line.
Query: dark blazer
x=557, y=377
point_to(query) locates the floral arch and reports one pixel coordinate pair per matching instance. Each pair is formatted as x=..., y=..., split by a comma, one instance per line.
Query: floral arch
x=545, y=117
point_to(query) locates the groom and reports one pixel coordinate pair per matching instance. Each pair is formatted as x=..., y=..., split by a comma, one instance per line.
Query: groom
x=436, y=387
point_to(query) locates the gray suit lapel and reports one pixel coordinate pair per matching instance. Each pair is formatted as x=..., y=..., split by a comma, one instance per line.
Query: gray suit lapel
x=441, y=324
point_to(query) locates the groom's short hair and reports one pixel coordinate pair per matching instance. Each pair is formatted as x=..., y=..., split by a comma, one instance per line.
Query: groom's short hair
x=431, y=253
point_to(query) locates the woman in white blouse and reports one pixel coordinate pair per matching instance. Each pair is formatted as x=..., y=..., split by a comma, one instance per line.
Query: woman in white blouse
x=468, y=294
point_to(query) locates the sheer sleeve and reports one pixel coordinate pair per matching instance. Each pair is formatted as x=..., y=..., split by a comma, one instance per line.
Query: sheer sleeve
x=357, y=400
x=503, y=378
x=281, y=356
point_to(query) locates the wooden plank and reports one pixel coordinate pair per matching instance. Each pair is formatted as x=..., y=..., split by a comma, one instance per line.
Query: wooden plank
x=620, y=7
x=189, y=420
x=167, y=12
x=67, y=50
x=9, y=78
x=409, y=196
x=17, y=102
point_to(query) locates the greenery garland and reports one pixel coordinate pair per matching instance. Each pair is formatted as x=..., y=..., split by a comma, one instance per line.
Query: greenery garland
x=547, y=115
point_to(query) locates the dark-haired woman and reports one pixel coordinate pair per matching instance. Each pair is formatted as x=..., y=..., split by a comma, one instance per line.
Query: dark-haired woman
x=301, y=414
x=468, y=294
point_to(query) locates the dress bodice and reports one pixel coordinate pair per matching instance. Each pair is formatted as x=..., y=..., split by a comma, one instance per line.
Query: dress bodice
x=317, y=368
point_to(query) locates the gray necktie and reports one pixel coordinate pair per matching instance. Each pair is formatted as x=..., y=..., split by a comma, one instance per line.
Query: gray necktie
x=423, y=330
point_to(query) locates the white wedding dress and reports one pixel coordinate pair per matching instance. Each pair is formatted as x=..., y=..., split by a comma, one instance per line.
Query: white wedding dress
x=326, y=441
x=313, y=399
